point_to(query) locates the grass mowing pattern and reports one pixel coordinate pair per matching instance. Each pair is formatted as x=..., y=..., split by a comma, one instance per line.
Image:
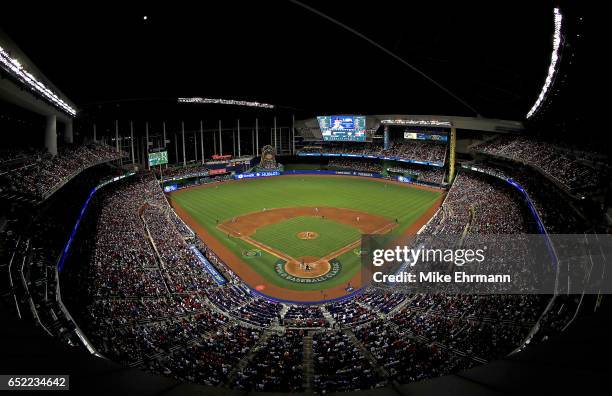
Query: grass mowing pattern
x=283, y=236
x=225, y=201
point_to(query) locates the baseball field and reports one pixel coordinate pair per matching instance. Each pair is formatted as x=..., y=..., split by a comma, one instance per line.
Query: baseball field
x=297, y=237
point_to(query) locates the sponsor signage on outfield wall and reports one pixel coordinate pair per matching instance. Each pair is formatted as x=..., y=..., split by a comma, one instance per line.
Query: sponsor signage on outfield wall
x=217, y=277
x=330, y=172
x=403, y=179
x=252, y=175
x=437, y=164
x=412, y=180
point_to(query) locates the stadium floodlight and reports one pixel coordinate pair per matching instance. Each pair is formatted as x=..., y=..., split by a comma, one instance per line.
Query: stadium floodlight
x=403, y=121
x=14, y=67
x=225, y=102
x=552, y=69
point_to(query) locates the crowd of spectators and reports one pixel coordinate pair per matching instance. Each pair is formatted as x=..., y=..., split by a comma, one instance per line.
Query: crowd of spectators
x=180, y=171
x=304, y=316
x=42, y=232
x=358, y=165
x=213, y=357
x=420, y=173
x=18, y=156
x=122, y=312
x=350, y=313
x=485, y=205
x=181, y=268
x=417, y=150
x=259, y=312
x=458, y=332
x=340, y=365
x=41, y=173
x=413, y=150
x=124, y=263
x=150, y=302
x=569, y=169
x=142, y=341
x=381, y=302
x=276, y=365
x=405, y=358
x=551, y=204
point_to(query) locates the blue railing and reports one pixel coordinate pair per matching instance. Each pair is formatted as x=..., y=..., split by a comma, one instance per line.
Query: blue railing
x=60, y=263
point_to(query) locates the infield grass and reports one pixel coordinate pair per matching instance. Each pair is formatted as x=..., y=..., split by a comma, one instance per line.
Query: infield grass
x=212, y=205
x=332, y=236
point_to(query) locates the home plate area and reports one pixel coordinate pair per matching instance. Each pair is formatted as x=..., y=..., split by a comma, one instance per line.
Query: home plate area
x=307, y=241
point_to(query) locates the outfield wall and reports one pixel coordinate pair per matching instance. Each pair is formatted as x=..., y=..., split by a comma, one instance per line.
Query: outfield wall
x=175, y=183
x=401, y=179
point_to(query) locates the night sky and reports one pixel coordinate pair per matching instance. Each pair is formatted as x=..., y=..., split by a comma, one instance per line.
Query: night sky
x=494, y=55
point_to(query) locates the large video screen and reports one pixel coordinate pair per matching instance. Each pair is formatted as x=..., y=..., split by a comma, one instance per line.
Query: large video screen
x=159, y=158
x=346, y=128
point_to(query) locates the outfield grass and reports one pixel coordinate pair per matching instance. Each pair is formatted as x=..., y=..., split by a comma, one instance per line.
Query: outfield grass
x=283, y=236
x=222, y=202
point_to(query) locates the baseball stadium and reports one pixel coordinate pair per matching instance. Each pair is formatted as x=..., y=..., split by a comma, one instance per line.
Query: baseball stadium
x=295, y=198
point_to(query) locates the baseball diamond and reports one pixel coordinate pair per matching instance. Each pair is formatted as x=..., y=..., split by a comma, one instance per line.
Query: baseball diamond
x=284, y=216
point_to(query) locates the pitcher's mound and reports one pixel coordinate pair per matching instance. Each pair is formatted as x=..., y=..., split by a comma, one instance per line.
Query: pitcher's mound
x=307, y=235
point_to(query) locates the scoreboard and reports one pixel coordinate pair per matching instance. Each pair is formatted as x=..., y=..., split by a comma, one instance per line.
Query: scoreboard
x=158, y=158
x=343, y=128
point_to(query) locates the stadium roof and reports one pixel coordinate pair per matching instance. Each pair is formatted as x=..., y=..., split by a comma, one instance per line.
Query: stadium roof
x=494, y=57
